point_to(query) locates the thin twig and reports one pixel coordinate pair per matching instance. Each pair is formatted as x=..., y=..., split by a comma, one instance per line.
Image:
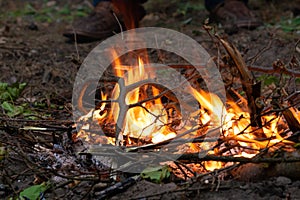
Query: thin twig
x=269, y=70
x=194, y=157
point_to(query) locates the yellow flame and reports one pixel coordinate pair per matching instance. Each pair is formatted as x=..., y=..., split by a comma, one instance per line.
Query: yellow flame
x=149, y=119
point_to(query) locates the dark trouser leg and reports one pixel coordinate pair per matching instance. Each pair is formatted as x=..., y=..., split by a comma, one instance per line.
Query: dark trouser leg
x=211, y=4
x=95, y=2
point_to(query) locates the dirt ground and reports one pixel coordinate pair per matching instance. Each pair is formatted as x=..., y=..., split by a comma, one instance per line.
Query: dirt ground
x=33, y=51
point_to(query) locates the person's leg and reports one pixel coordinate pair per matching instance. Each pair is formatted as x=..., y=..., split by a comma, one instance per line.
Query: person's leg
x=211, y=4
x=95, y=2
x=232, y=13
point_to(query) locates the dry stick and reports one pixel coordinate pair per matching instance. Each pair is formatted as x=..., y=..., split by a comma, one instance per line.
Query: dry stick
x=120, y=25
x=35, y=121
x=291, y=120
x=264, y=49
x=182, y=171
x=123, y=108
x=150, y=146
x=186, y=167
x=195, y=157
x=164, y=92
x=110, y=150
x=124, y=90
x=251, y=88
x=269, y=70
x=75, y=42
x=114, y=79
x=121, y=99
x=85, y=85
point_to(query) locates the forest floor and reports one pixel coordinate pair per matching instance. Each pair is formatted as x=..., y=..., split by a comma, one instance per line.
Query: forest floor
x=33, y=51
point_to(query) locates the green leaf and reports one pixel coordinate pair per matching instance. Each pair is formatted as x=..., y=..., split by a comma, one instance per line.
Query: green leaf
x=12, y=110
x=3, y=86
x=34, y=192
x=7, y=106
x=11, y=92
x=14, y=92
x=297, y=145
x=291, y=24
x=22, y=86
x=156, y=174
x=29, y=9
x=268, y=80
x=5, y=96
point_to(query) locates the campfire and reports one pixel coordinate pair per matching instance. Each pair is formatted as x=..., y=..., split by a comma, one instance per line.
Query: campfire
x=138, y=115
x=149, y=113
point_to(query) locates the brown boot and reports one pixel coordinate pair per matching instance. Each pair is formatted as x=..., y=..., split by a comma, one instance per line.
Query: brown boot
x=235, y=14
x=99, y=25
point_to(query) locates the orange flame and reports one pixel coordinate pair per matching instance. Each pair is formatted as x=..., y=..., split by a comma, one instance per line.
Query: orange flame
x=146, y=119
x=235, y=126
x=149, y=119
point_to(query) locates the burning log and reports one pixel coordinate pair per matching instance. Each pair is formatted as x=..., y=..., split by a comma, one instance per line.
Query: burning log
x=291, y=120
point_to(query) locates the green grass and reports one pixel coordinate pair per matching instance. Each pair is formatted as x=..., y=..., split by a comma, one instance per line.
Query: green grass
x=290, y=25
x=46, y=13
x=287, y=24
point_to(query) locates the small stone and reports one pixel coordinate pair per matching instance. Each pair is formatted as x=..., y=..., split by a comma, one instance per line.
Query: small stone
x=282, y=181
x=33, y=51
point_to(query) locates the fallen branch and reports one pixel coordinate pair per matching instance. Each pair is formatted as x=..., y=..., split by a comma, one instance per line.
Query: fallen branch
x=35, y=121
x=269, y=70
x=291, y=120
x=194, y=157
x=251, y=87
